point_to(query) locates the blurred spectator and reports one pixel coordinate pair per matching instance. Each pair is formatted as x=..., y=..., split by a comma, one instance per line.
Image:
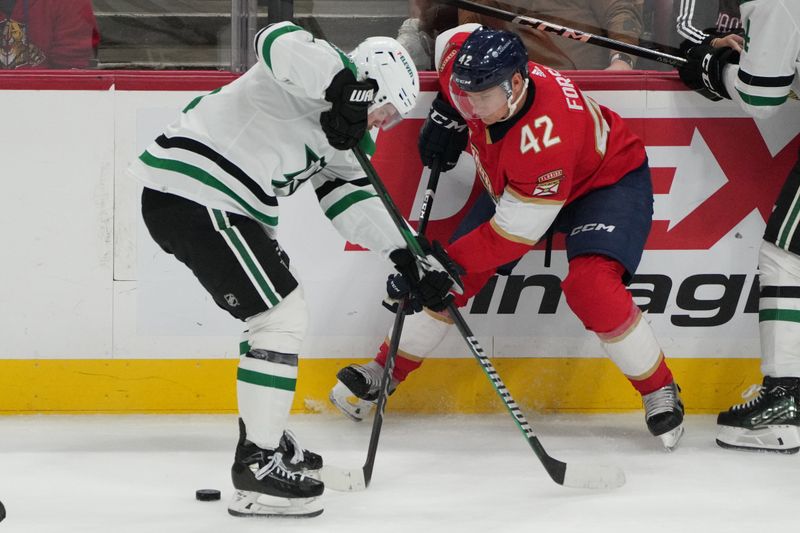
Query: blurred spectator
x=417, y=34
x=47, y=34
x=617, y=19
x=721, y=19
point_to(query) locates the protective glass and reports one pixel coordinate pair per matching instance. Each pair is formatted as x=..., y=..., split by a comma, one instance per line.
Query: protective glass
x=385, y=117
x=480, y=104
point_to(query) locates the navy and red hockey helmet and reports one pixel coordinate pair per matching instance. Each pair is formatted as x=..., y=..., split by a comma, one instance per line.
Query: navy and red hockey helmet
x=488, y=58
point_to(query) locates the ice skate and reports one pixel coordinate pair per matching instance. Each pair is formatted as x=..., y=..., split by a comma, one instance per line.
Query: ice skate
x=768, y=422
x=266, y=486
x=357, y=388
x=296, y=458
x=663, y=411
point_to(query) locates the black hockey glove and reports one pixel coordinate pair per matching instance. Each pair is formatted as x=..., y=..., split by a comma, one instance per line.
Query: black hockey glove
x=346, y=122
x=397, y=288
x=703, y=70
x=431, y=278
x=443, y=136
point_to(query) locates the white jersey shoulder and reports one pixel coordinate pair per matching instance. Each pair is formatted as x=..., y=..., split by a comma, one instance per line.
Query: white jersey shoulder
x=769, y=68
x=241, y=147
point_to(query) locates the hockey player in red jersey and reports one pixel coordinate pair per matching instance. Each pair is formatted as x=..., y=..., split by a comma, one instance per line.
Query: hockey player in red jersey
x=548, y=156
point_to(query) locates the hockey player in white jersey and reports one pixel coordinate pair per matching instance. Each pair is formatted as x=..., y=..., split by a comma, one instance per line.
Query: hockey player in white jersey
x=212, y=182
x=763, y=80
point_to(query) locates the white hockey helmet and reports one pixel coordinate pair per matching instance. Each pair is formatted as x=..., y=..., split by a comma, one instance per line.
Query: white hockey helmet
x=386, y=61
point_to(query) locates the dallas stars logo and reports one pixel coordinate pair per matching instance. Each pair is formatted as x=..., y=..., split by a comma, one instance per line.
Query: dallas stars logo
x=314, y=164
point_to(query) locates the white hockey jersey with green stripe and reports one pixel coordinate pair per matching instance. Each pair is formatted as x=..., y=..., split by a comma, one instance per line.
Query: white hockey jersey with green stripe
x=244, y=145
x=769, y=69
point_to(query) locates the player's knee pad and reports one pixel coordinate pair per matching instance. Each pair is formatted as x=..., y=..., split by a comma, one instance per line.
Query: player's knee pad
x=281, y=328
x=594, y=291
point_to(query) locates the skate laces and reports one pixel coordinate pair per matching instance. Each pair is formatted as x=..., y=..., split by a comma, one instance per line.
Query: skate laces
x=663, y=400
x=751, y=396
x=298, y=456
x=371, y=376
x=275, y=464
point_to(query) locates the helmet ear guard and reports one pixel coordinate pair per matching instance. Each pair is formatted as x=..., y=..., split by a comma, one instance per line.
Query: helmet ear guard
x=386, y=61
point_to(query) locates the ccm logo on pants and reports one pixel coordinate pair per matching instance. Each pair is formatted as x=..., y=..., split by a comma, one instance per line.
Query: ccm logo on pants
x=592, y=226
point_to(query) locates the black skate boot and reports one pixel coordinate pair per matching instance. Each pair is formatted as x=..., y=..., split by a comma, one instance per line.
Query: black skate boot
x=295, y=457
x=663, y=412
x=769, y=422
x=266, y=487
x=357, y=388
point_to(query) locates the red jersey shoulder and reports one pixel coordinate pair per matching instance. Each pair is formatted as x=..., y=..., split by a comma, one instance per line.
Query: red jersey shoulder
x=556, y=89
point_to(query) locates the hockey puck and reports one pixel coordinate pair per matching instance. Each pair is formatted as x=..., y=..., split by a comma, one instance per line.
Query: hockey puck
x=2, y=512
x=207, y=495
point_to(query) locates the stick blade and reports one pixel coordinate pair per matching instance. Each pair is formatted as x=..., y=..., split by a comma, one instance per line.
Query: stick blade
x=343, y=479
x=593, y=477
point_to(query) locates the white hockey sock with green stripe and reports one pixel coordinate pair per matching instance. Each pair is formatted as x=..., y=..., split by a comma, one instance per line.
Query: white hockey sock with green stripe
x=265, y=384
x=779, y=311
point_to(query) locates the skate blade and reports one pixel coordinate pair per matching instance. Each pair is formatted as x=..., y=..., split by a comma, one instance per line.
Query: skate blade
x=671, y=438
x=776, y=439
x=257, y=505
x=350, y=405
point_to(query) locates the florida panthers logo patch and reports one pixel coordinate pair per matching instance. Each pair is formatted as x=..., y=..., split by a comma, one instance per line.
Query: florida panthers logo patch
x=547, y=184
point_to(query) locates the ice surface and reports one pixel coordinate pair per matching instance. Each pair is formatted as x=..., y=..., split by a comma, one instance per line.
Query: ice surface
x=433, y=473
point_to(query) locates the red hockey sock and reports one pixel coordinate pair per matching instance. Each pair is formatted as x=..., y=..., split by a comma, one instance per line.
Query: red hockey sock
x=403, y=366
x=659, y=378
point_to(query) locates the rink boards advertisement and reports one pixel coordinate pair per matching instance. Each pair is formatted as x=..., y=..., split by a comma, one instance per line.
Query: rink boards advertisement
x=105, y=321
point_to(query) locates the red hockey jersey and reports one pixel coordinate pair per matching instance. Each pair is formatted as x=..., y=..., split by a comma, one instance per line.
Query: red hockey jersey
x=559, y=147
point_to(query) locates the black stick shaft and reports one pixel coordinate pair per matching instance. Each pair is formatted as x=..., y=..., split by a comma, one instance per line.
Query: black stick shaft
x=568, y=33
x=555, y=468
x=397, y=328
x=386, y=379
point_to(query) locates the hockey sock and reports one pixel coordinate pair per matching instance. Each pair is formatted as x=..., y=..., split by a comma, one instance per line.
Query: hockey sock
x=596, y=294
x=422, y=333
x=267, y=375
x=265, y=384
x=779, y=311
x=634, y=349
x=404, y=364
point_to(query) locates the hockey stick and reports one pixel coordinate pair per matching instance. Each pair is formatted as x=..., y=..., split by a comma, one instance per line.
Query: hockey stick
x=578, y=476
x=394, y=343
x=575, y=476
x=355, y=480
x=568, y=33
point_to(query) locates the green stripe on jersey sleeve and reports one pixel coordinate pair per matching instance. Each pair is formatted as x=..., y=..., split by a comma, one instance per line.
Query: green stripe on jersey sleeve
x=762, y=101
x=266, y=48
x=343, y=203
